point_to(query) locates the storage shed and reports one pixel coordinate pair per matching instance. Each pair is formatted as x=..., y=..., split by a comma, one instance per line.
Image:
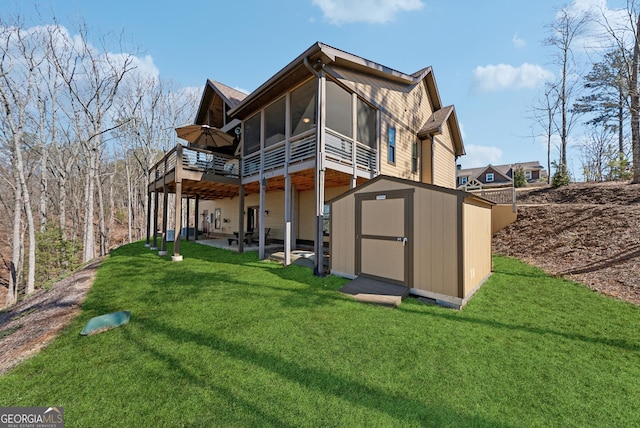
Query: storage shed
x=434, y=240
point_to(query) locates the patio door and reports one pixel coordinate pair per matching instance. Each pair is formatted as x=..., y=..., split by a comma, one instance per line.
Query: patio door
x=384, y=235
x=252, y=219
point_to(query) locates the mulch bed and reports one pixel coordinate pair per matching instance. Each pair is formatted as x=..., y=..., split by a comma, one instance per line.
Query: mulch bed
x=34, y=322
x=589, y=233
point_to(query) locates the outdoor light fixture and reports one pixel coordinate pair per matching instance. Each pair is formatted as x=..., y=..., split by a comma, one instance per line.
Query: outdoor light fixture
x=306, y=120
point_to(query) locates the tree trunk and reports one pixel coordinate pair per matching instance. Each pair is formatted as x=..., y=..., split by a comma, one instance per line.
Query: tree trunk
x=635, y=105
x=12, y=294
x=89, y=239
x=31, y=270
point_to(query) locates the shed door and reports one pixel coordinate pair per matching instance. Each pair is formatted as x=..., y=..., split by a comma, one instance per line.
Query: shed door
x=384, y=235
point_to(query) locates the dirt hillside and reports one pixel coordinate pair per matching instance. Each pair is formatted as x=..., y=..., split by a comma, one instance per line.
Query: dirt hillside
x=587, y=232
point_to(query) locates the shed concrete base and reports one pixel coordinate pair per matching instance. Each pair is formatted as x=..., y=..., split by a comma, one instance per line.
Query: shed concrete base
x=373, y=291
x=176, y=258
x=162, y=253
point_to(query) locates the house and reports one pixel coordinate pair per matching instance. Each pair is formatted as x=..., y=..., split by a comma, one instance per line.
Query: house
x=326, y=123
x=492, y=176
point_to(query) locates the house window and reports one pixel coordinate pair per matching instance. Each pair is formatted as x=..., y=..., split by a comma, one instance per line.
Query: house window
x=339, y=111
x=392, y=145
x=366, y=124
x=252, y=134
x=414, y=157
x=463, y=180
x=489, y=177
x=527, y=174
x=274, y=123
x=303, y=108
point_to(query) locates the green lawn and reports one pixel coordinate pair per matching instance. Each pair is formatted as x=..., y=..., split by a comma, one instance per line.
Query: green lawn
x=222, y=339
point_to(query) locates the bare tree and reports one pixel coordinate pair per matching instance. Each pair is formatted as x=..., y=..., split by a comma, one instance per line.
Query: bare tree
x=20, y=56
x=564, y=32
x=626, y=38
x=92, y=80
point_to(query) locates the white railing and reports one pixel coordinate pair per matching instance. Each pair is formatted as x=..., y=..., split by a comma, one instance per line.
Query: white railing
x=204, y=160
x=303, y=149
x=251, y=164
x=274, y=156
x=338, y=148
x=366, y=157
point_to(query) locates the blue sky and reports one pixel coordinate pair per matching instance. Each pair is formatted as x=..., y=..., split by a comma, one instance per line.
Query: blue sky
x=488, y=57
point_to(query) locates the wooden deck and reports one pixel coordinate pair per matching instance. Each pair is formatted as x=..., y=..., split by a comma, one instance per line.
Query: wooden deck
x=373, y=291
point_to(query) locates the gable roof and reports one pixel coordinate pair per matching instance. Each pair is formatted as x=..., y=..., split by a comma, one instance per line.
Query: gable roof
x=435, y=124
x=317, y=56
x=232, y=97
x=501, y=169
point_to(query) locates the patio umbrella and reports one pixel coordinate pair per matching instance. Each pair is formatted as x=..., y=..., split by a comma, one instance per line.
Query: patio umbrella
x=204, y=136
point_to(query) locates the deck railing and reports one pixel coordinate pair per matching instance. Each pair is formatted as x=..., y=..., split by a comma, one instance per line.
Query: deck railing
x=505, y=195
x=337, y=148
x=195, y=159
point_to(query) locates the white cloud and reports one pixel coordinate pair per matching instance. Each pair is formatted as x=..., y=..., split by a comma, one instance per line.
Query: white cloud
x=518, y=42
x=478, y=156
x=595, y=33
x=372, y=11
x=491, y=78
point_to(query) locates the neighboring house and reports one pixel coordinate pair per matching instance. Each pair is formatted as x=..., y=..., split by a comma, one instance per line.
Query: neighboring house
x=498, y=175
x=324, y=124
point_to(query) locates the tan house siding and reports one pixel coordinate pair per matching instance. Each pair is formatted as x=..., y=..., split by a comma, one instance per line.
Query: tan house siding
x=444, y=173
x=402, y=107
x=306, y=210
x=477, y=244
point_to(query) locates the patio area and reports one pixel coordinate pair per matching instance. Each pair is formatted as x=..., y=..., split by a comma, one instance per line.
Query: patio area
x=224, y=244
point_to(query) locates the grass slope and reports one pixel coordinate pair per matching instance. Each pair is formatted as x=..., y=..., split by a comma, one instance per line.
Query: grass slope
x=222, y=339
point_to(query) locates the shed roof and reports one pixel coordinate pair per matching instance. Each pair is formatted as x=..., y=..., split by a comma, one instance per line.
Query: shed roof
x=410, y=183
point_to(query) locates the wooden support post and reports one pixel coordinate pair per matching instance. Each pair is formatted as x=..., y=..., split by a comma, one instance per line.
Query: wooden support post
x=261, y=217
x=178, y=223
x=188, y=217
x=241, y=222
x=197, y=216
x=154, y=247
x=165, y=209
x=148, y=242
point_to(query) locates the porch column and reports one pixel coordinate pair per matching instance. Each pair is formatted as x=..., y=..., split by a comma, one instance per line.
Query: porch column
x=165, y=208
x=148, y=243
x=178, y=220
x=155, y=221
x=287, y=182
x=241, y=221
x=318, y=268
x=178, y=223
x=263, y=188
x=294, y=216
x=196, y=222
x=188, y=216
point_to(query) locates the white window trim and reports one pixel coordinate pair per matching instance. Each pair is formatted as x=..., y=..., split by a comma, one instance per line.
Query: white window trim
x=490, y=177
